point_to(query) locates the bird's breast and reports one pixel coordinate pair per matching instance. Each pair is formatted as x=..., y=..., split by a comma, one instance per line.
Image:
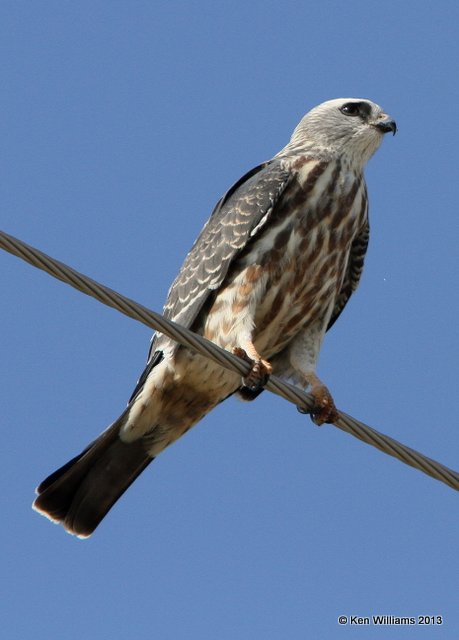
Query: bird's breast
x=289, y=276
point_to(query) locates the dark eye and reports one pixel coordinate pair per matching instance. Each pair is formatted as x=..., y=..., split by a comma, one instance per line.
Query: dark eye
x=351, y=109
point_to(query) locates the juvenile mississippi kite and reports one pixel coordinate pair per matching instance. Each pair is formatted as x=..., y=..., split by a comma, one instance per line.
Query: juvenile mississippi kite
x=270, y=272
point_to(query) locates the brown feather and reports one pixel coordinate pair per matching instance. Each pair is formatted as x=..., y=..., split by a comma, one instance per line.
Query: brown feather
x=79, y=494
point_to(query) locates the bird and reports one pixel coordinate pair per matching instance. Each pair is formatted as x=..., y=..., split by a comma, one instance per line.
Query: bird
x=270, y=272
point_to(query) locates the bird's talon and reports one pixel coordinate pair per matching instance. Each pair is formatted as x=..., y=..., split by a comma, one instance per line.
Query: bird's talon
x=258, y=375
x=324, y=409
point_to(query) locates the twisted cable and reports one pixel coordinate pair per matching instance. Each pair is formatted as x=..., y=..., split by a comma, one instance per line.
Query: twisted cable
x=226, y=359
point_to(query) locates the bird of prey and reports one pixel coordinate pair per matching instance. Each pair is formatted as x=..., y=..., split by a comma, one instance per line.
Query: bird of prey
x=269, y=274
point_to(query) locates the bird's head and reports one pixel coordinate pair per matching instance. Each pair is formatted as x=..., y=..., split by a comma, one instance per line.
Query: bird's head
x=351, y=127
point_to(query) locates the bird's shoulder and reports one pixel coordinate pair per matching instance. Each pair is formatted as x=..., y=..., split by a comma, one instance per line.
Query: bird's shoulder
x=237, y=217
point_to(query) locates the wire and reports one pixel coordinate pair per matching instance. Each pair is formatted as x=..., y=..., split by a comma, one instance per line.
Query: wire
x=304, y=401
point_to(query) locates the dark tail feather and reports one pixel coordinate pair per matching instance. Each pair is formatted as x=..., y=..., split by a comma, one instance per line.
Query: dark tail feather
x=79, y=494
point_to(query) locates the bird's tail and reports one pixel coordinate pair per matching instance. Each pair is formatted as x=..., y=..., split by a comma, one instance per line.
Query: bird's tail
x=79, y=494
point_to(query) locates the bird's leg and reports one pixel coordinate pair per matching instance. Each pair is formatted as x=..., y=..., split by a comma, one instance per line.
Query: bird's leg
x=303, y=355
x=324, y=407
x=261, y=369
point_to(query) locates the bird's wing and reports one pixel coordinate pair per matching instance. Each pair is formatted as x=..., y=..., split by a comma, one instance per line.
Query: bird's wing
x=237, y=217
x=240, y=215
x=353, y=272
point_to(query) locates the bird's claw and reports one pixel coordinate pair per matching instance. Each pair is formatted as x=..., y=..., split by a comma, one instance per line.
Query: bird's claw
x=258, y=375
x=324, y=409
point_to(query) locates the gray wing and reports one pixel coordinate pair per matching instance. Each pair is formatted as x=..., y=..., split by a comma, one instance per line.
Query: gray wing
x=353, y=272
x=238, y=216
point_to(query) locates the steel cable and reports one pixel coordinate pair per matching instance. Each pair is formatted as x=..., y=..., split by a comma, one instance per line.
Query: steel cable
x=226, y=359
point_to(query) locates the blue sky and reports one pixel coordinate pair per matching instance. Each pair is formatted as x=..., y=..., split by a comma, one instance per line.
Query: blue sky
x=122, y=124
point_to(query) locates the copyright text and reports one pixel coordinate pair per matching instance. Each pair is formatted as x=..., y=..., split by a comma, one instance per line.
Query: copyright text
x=381, y=620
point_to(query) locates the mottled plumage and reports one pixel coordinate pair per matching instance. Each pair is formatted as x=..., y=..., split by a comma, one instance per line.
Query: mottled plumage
x=271, y=271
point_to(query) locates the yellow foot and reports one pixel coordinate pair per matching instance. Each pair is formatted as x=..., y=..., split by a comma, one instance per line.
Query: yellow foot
x=258, y=376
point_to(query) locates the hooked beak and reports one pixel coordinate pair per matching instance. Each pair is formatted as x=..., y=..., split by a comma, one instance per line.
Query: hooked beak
x=387, y=125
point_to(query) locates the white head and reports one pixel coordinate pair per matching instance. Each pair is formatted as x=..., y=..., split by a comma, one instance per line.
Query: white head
x=351, y=127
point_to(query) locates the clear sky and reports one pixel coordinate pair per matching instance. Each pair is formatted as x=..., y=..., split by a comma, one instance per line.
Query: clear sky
x=122, y=124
